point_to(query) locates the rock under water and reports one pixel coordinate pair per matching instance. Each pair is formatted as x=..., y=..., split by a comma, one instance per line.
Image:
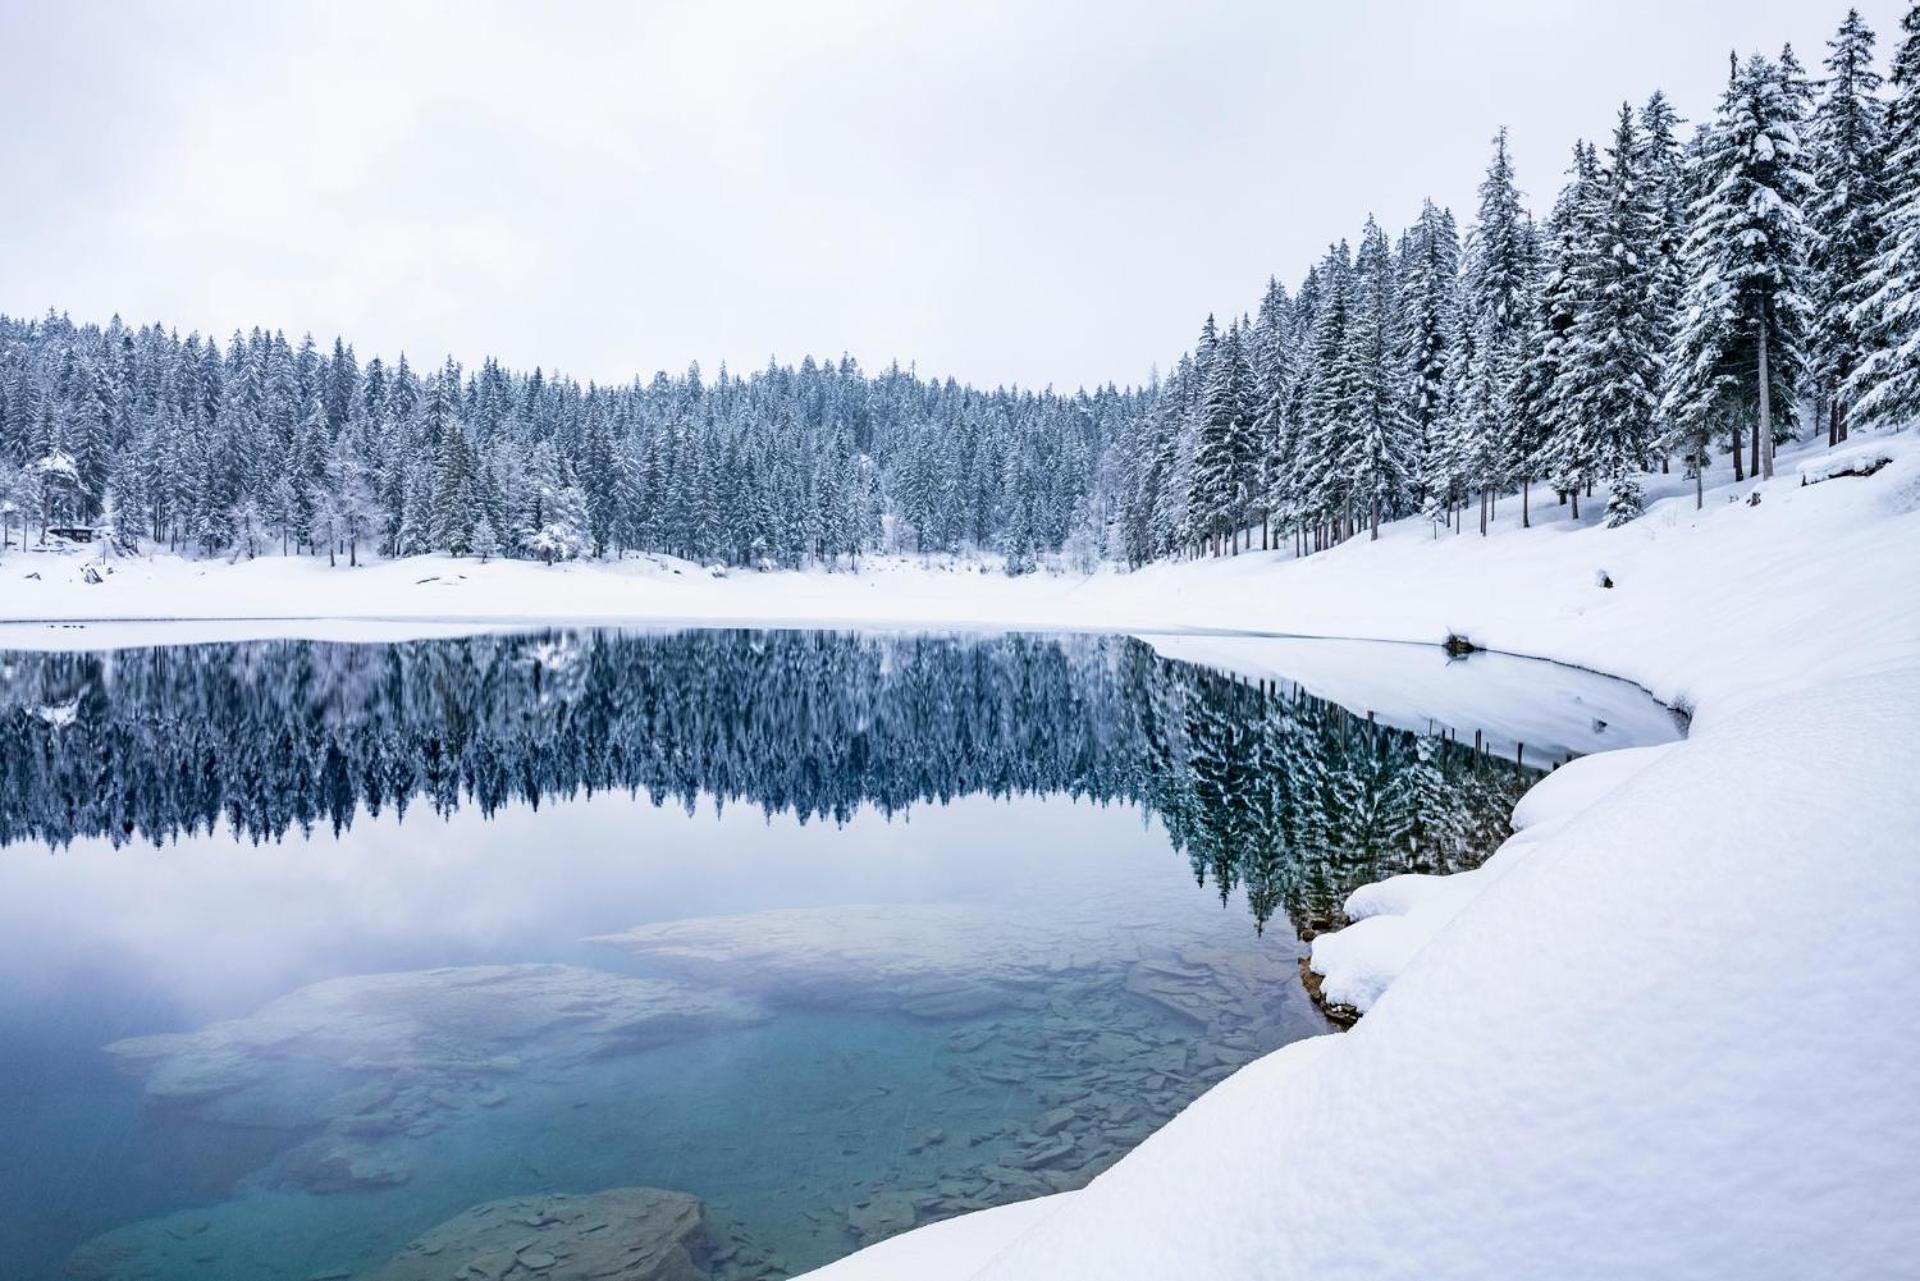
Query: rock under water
x=624, y=1234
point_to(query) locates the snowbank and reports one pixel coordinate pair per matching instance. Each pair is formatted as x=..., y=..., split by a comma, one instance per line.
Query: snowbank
x=1395, y=918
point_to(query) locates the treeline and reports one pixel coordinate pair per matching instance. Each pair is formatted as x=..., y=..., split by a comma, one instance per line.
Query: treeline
x=1679, y=299
x=1295, y=800
x=272, y=445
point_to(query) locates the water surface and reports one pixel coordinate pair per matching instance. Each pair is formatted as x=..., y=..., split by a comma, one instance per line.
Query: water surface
x=309, y=947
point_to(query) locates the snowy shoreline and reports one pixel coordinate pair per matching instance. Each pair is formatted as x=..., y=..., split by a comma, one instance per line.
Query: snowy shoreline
x=1523, y=1097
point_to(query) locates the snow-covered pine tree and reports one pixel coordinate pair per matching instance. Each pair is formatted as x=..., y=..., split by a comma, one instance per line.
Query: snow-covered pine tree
x=1741, y=347
x=1326, y=404
x=1663, y=172
x=486, y=543
x=1376, y=461
x=1540, y=433
x=1222, y=436
x=1500, y=248
x=1847, y=143
x=1500, y=263
x=451, y=506
x=1611, y=370
x=1272, y=362
x=1884, y=389
x=1429, y=298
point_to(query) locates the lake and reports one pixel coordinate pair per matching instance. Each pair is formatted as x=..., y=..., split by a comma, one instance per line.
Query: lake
x=398, y=959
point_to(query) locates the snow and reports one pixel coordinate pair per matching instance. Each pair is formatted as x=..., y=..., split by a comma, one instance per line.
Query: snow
x=1667, y=1031
x=1517, y=707
x=952, y=1248
x=1396, y=918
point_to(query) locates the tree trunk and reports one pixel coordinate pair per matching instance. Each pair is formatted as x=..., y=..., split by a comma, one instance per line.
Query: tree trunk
x=1374, y=520
x=1483, y=511
x=1576, y=504
x=1763, y=430
x=1526, y=502
x=1738, y=474
x=1699, y=488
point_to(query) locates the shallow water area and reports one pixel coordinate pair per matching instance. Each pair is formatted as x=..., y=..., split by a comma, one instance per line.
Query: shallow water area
x=316, y=949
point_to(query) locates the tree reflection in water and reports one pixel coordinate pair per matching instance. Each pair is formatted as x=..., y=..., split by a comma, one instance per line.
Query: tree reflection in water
x=1262, y=786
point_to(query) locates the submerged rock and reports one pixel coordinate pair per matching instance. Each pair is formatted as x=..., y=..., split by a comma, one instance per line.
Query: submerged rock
x=332, y=1163
x=883, y=1216
x=625, y=1234
x=380, y=1053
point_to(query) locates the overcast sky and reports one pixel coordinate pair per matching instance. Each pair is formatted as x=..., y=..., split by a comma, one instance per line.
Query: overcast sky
x=1025, y=191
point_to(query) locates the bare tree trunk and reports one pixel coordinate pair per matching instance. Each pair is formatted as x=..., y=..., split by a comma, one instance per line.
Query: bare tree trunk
x=1483, y=511
x=1526, y=502
x=1699, y=488
x=1763, y=430
x=1576, y=503
x=1738, y=474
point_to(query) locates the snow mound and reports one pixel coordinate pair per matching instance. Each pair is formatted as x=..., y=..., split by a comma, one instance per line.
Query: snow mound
x=1395, y=918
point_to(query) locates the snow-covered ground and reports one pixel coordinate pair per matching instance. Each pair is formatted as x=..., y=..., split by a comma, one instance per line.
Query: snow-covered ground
x=1669, y=1031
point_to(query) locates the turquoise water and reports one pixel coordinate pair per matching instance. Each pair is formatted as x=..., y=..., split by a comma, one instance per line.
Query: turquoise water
x=310, y=948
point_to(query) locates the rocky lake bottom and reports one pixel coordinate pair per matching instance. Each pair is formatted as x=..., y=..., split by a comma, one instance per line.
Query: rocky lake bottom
x=834, y=1076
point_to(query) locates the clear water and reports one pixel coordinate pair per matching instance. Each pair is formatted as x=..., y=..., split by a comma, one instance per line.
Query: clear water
x=307, y=948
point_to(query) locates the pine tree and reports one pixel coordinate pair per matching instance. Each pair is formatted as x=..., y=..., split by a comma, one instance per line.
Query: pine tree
x=1611, y=369
x=1496, y=283
x=486, y=544
x=1885, y=387
x=1429, y=300
x=1376, y=459
x=1664, y=175
x=1847, y=141
x=1741, y=346
x=450, y=522
x=1325, y=403
x=1223, y=436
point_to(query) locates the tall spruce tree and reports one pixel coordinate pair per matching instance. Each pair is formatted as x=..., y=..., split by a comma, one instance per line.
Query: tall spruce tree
x=1429, y=299
x=1612, y=365
x=1847, y=143
x=1884, y=389
x=1376, y=458
x=1741, y=347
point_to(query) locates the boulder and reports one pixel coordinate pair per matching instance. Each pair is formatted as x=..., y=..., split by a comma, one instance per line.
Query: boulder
x=625, y=1234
